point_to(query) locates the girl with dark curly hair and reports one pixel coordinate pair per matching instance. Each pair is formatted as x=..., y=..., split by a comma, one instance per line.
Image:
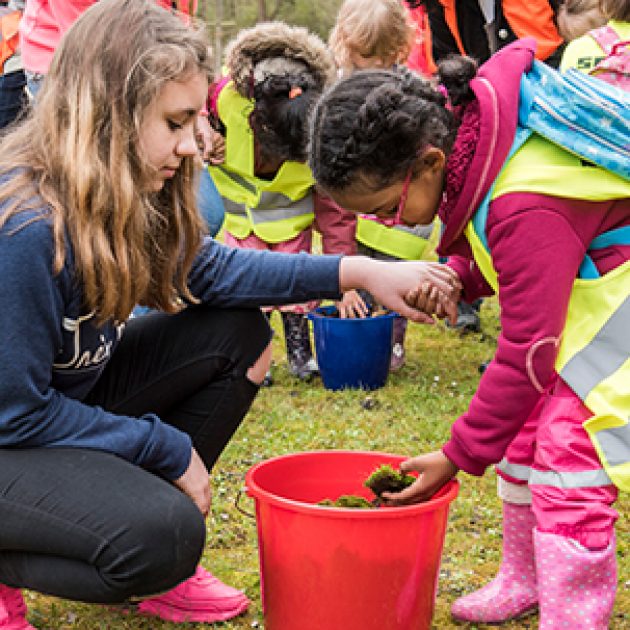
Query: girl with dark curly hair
x=551, y=410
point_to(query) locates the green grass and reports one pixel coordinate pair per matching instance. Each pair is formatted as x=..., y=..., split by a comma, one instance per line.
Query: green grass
x=410, y=415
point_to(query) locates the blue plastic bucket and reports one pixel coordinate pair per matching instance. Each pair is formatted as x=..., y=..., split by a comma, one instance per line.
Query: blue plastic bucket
x=352, y=353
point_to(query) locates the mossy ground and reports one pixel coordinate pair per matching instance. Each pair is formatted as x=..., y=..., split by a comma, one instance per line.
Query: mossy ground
x=410, y=415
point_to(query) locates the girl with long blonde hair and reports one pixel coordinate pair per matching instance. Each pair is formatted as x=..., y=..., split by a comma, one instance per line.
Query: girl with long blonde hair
x=109, y=425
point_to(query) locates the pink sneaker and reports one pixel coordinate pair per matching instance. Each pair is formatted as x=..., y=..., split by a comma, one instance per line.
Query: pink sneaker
x=201, y=598
x=12, y=610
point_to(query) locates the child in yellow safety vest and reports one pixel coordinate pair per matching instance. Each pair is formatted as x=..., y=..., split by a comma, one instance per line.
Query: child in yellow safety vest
x=378, y=34
x=275, y=73
x=552, y=408
x=604, y=51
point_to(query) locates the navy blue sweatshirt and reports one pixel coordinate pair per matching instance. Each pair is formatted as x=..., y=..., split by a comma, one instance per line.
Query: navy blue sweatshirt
x=52, y=353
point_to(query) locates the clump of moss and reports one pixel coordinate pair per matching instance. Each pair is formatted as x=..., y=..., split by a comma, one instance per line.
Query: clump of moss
x=348, y=501
x=386, y=479
x=383, y=479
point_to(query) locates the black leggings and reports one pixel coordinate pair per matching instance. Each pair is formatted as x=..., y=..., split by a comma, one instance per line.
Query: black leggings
x=87, y=525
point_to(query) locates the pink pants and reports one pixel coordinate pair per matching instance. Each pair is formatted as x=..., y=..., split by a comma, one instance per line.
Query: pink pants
x=554, y=455
x=301, y=243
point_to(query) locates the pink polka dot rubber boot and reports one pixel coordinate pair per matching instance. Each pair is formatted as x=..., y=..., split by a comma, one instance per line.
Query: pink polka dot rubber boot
x=577, y=586
x=201, y=598
x=513, y=592
x=13, y=610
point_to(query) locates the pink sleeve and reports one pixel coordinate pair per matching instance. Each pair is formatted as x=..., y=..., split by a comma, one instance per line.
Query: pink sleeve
x=475, y=285
x=66, y=12
x=213, y=94
x=337, y=226
x=536, y=254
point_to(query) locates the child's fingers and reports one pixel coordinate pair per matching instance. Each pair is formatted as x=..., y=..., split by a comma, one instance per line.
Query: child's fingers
x=412, y=313
x=430, y=297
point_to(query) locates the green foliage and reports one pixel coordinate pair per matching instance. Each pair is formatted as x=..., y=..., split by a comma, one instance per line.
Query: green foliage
x=348, y=501
x=318, y=17
x=410, y=415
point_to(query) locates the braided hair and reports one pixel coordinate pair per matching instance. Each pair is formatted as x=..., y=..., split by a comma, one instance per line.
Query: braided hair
x=369, y=128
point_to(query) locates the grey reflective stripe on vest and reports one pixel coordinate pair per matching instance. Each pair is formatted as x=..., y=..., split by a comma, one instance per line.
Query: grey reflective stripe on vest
x=276, y=206
x=581, y=479
x=602, y=357
x=237, y=179
x=231, y=207
x=577, y=479
x=421, y=231
x=517, y=471
x=615, y=443
x=297, y=208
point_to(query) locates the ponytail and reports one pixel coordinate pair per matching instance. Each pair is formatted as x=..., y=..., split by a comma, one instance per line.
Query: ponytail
x=455, y=73
x=279, y=119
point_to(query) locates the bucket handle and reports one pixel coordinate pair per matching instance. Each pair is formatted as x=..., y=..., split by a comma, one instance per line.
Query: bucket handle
x=237, y=502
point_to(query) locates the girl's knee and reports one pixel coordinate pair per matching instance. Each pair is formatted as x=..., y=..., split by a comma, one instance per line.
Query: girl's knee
x=256, y=373
x=165, y=551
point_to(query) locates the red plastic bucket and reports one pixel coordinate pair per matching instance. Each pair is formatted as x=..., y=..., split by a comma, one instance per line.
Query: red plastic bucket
x=343, y=569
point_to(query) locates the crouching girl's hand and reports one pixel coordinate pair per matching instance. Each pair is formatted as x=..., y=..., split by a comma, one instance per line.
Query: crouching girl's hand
x=435, y=470
x=391, y=283
x=195, y=483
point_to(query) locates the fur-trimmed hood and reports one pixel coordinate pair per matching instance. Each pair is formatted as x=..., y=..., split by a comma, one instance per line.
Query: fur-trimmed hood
x=269, y=40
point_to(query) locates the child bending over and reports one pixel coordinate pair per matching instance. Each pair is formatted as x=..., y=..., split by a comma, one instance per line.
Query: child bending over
x=391, y=143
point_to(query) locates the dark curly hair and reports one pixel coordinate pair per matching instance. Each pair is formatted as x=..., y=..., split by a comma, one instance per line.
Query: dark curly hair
x=367, y=129
x=279, y=121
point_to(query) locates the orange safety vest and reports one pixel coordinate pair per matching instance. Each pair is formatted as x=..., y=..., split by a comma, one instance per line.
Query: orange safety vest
x=9, y=34
x=534, y=18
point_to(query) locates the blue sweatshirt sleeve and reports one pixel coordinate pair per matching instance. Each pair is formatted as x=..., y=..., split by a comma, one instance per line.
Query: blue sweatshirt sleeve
x=32, y=412
x=226, y=276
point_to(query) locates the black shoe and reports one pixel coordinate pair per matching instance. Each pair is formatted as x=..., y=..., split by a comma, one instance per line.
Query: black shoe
x=397, y=359
x=298, y=341
x=467, y=318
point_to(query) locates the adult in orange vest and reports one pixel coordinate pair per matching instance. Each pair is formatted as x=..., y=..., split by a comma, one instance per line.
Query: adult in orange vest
x=478, y=29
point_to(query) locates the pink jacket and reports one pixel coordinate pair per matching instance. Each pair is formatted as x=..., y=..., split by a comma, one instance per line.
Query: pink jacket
x=537, y=243
x=41, y=28
x=45, y=21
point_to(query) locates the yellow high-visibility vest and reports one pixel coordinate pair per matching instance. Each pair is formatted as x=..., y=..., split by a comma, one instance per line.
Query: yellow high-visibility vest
x=275, y=210
x=397, y=240
x=594, y=353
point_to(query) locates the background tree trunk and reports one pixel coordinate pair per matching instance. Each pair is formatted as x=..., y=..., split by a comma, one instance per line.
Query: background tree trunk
x=262, y=11
x=218, y=37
